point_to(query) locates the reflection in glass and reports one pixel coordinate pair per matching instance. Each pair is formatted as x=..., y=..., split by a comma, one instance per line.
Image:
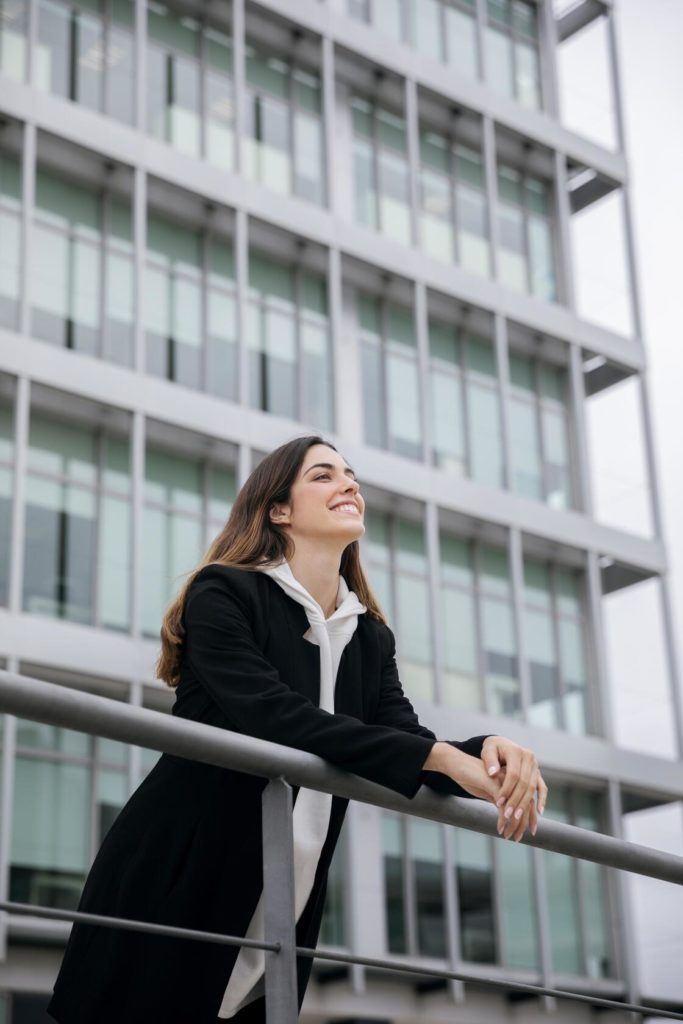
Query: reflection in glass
x=394, y=855
x=474, y=882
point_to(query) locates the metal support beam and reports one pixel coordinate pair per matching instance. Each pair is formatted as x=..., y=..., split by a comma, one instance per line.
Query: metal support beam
x=278, y=892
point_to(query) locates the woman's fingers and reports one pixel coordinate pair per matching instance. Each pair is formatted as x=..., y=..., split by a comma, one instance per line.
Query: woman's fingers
x=517, y=795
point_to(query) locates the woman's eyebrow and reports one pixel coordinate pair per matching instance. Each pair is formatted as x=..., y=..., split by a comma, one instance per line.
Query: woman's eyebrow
x=328, y=465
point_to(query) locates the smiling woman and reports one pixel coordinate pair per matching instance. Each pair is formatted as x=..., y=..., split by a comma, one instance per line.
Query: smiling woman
x=277, y=634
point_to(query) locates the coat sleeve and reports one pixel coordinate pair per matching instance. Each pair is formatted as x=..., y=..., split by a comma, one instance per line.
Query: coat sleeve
x=222, y=652
x=395, y=709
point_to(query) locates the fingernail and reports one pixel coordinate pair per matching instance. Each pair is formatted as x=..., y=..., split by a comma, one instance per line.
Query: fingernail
x=493, y=769
x=508, y=812
x=518, y=813
x=533, y=831
x=541, y=808
x=500, y=802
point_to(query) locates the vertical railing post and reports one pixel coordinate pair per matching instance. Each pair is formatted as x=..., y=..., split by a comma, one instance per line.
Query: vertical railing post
x=278, y=903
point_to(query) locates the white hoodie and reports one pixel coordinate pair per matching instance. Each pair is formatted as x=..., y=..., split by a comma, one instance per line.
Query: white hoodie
x=311, y=813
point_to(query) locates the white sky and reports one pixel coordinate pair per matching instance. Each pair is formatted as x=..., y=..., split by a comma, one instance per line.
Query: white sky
x=650, y=39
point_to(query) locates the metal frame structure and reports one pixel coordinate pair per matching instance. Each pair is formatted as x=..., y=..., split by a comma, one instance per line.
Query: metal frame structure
x=42, y=701
x=32, y=364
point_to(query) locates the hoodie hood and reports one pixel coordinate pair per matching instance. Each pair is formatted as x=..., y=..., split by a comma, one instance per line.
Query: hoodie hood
x=343, y=620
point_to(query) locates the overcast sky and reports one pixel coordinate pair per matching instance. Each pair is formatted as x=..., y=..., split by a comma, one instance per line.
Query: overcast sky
x=650, y=37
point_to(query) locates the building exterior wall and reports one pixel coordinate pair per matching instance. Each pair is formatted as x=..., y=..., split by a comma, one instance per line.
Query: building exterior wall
x=356, y=218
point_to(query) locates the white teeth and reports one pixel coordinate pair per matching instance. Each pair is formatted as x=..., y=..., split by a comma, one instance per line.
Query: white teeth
x=345, y=508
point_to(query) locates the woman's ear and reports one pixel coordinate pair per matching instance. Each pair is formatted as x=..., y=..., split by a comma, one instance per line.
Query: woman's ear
x=278, y=514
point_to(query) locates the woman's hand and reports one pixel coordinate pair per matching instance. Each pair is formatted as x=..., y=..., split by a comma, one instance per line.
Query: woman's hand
x=521, y=778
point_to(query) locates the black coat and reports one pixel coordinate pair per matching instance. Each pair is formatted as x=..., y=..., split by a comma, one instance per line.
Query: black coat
x=186, y=848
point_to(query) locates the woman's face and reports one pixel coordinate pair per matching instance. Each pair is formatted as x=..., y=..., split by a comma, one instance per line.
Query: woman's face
x=325, y=502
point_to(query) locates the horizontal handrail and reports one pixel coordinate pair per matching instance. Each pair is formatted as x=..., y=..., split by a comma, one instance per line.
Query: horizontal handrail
x=103, y=716
x=63, y=706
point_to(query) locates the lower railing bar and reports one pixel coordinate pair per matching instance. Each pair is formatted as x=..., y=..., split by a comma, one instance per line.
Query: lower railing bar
x=477, y=979
x=136, y=926
x=347, y=958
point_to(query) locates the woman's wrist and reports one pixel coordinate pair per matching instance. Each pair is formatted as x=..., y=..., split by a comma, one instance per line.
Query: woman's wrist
x=442, y=758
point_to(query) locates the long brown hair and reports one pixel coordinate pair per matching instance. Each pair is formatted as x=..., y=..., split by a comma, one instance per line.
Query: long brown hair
x=250, y=538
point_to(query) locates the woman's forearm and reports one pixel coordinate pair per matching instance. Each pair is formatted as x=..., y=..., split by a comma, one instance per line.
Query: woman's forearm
x=443, y=758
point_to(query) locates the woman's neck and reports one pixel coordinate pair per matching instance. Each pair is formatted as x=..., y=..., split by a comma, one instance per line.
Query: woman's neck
x=318, y=572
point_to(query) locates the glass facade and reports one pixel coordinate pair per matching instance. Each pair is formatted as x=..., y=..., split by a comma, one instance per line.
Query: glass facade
x=77, y=526
x=7, y=450
x=81, y=274
x=397, y=559
x=465, y=405
x=481, y=666
x=525, y=227
x=288, y=337
x=85, y=52
x=190, y=90
x=10, y=238
x=453, y=208
x=446, y=31
x=189, y=302
x=554, y=621
x=380, y=169
x=68, y=789
x=283, y=142
x=539, y=428
x=250, y=322
x=390, y=376
x=494, y=907
x=187, y=501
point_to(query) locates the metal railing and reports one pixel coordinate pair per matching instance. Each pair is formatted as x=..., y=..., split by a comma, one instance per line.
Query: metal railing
x=286, y=767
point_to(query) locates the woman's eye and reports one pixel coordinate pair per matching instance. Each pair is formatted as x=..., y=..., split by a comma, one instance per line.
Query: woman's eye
x=321, y=475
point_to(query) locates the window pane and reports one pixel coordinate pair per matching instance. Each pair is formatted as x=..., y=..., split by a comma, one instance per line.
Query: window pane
x=473, y=241
x=50, y=833
x=393, y=189
x=541, y=254
x=461, y=42
x=373, y=395
x=460, y=675
x=414, y=624
x=555, y=442
x=221, y=345
x=427, y=855
x=543, y=669
x=394, y=854
x=365, y=191
x=512, y=263
x=527, y=475
x=403, y=406
x=317, y=381
x=572, y=660
x=474, y=880
x=13, y=35
x=500, y=658
x=121, y=70
x=53, y=50
x=448, y=442
x=528, y=74
x=518, y=914
x=119, y=273
x=308, y=157
x=499, y=61
x=428, y=30
x=88, y=33
x=485, y=435
x=115, y=563
x=562, y=898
